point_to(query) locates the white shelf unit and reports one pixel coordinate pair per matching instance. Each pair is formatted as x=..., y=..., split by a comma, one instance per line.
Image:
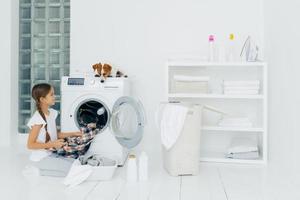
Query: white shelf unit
x=44, y=48
x=216, y=139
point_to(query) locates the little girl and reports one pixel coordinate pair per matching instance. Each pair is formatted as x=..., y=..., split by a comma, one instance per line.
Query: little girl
x=43, y=134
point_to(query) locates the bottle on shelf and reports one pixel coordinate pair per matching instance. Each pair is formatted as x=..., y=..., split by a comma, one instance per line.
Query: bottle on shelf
x=231, y=57
x=211, y=50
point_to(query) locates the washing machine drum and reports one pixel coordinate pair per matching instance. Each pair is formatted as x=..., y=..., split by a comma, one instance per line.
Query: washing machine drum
x=126, y=119
x=92, y=112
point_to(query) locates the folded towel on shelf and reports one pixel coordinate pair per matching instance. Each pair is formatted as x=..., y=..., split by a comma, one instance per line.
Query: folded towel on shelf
x=246, y=155
x=241, y=83
x=239, y=88
x=243, y=92
x=243, y=122
x=191, y=78
x=172, y=122
x=242, y=145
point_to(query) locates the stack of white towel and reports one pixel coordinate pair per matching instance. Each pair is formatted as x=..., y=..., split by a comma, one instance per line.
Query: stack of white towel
x=243, y=122
x=241, y=87
x=243, y=148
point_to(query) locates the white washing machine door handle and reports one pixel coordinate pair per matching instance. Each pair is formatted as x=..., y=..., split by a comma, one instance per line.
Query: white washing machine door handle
x=127, y=121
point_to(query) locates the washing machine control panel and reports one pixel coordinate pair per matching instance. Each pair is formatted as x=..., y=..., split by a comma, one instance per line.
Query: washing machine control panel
x=75, y=81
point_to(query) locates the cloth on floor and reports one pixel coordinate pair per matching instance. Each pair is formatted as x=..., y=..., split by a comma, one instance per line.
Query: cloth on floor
x=77, y=174
x=243, y=148
x=172, y=122
x=235, y=122
x=76, y=146
x=82, y=168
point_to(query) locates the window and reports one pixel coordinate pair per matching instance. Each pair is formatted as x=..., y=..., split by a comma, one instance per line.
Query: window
x=44, y=50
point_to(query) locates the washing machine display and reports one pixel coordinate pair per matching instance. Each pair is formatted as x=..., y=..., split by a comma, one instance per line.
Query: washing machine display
x=75, y=81
x=92, y=111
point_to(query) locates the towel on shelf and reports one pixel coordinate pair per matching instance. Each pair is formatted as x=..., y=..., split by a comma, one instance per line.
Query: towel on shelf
x=243, y=148
x=245, y=155
x=234, y=88
x=251, y=83
x=242, y=145
x=172, y=122
x=245, y=92
x=243, y=122
x=241, y=87
x=191, y=78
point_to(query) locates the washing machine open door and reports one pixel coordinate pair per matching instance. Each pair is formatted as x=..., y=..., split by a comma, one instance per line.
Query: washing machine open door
x=127, y=121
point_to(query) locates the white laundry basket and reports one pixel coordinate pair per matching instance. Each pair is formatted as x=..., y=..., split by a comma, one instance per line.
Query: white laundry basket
x=183, y=157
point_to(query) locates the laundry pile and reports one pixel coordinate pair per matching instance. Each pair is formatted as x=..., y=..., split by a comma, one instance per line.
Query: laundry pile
x=90, y=167
x=76, y=146
x=242, y=122
x=250, y=87
x=96, y=160
x=243, y=148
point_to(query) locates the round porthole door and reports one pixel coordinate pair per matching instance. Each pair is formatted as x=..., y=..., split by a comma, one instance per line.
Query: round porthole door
x=92, y=111
x=127, y=121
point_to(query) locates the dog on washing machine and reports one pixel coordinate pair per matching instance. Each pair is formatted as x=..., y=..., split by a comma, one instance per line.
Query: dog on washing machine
x=104, y=71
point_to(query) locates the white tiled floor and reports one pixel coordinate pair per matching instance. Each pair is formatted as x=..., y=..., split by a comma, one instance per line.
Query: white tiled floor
x=215, y=182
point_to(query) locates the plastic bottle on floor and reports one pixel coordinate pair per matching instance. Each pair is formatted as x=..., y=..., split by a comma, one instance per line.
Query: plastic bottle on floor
x=143, y=167
x=131, y=169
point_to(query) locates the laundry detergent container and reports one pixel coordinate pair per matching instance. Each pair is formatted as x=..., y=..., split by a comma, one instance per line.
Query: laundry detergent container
x=183, y=157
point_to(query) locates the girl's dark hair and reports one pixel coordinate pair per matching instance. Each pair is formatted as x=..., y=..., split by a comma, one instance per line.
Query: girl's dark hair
x=38, y=91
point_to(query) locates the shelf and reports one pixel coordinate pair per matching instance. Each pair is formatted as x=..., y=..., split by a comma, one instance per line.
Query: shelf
x=234, y=129
x=220, y=157
x=214, y=96
x=217, y=138
x=194, y=63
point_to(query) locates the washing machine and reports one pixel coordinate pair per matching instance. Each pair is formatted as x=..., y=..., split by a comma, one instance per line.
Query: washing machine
x=119, y=117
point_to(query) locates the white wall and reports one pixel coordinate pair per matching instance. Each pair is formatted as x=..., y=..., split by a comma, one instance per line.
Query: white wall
x=139, y=36
x=5, y=53
x=282, y=51
x=9, y=69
